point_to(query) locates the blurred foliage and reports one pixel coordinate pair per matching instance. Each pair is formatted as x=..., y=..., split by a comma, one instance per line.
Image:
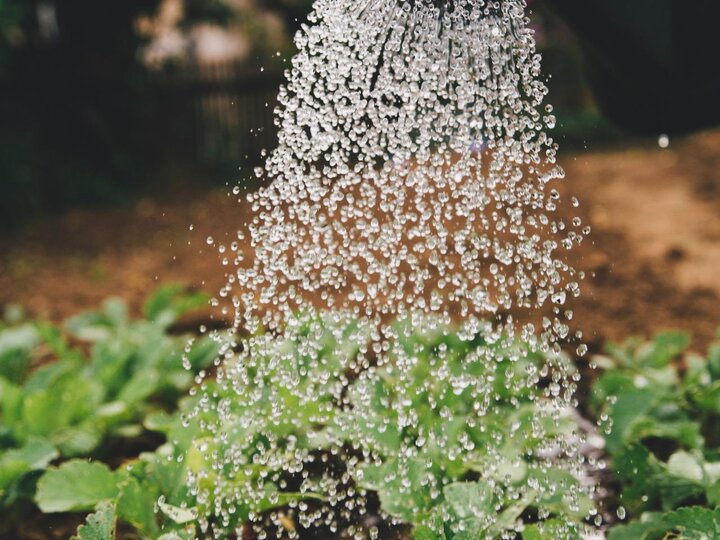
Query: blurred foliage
x=578, y=117
x=69, y=391
x=74, y=114
x=55, y=416
x=660, y=405
x=82, y=123
x=66, y=391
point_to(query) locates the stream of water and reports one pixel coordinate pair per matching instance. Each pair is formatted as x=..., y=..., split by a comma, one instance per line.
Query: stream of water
x=414, y=192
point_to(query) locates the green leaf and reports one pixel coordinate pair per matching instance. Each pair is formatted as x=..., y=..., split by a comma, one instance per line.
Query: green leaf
x=708, y=397
x=54, y=338
x=114, y=412
x=99, y=525
x=637, y=468
x=692, y=523
x=47, y=375
x=93, y=327
x=713, y=361
x=35, y=454
x=15, y=347
x=651, y=528
x=11, y=403
x=140, y=387
x=470, y=499
x=397, y=500
x=177, y=514
x=136, y=505
x=166, y=474
x=75, y=486
x=160, y=421
x=695, y=523
x=68, y=401
x=423, y=532
x=115, y=310
x=111, y=364
x=664, y=347
x=127, y=431
x=631, y=406
x=76, y=441
x=170, y=302
x=549, y=530
x=202, y=353
x=686, y=465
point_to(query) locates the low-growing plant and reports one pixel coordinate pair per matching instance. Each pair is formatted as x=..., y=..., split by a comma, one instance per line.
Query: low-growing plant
x=467, y=465
x=661, y=408
x=64, y=392
x=460, y=467
x=202, y=483
x=180, y=478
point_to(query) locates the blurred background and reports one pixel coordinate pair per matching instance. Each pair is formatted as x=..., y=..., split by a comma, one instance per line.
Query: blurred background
x=124, y=125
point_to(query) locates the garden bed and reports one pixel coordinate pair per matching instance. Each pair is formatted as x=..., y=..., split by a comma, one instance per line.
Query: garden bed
x=651, y=264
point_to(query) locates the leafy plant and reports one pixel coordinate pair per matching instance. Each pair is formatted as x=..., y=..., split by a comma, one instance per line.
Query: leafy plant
x=662, y=405
x=459, y=496
x=161, y=479
x=131, y=493
x=459, y=470
x=450, y=442
x=172, y=477
x=63, y=393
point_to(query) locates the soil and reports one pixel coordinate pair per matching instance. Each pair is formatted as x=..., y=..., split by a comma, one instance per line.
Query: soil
x=654, y=252
x=652, y=259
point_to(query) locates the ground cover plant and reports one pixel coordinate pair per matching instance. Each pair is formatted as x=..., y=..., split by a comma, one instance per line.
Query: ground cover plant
x=65, y=393
x=662, y=404
x=83, y=391
x=449, y=500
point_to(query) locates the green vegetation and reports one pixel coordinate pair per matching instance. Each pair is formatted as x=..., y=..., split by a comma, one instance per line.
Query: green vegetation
x=67, y=393
x=663, y=404
x=486, y=456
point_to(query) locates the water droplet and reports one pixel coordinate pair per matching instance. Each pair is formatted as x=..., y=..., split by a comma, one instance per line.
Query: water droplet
x=408, y=200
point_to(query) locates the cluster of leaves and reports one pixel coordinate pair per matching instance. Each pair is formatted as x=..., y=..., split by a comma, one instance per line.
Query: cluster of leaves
x=661, y=405
x=173, y=492
x=157, y=493
x=468, y=472
x=67, y=393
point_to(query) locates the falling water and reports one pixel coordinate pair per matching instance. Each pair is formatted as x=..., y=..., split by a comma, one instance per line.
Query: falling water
x=411, y=211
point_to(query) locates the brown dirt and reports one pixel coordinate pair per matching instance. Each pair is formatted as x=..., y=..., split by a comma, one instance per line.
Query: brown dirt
x=652, y=259
x=655, y=248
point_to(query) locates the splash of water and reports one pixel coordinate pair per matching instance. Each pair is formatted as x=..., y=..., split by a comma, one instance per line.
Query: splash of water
x=411, y=201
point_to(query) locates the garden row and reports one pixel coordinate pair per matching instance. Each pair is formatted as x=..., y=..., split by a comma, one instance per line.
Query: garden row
x=95, y=419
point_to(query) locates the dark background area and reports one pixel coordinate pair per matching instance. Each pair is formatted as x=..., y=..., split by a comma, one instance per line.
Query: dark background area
x=89, y=117
x=103, y=102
